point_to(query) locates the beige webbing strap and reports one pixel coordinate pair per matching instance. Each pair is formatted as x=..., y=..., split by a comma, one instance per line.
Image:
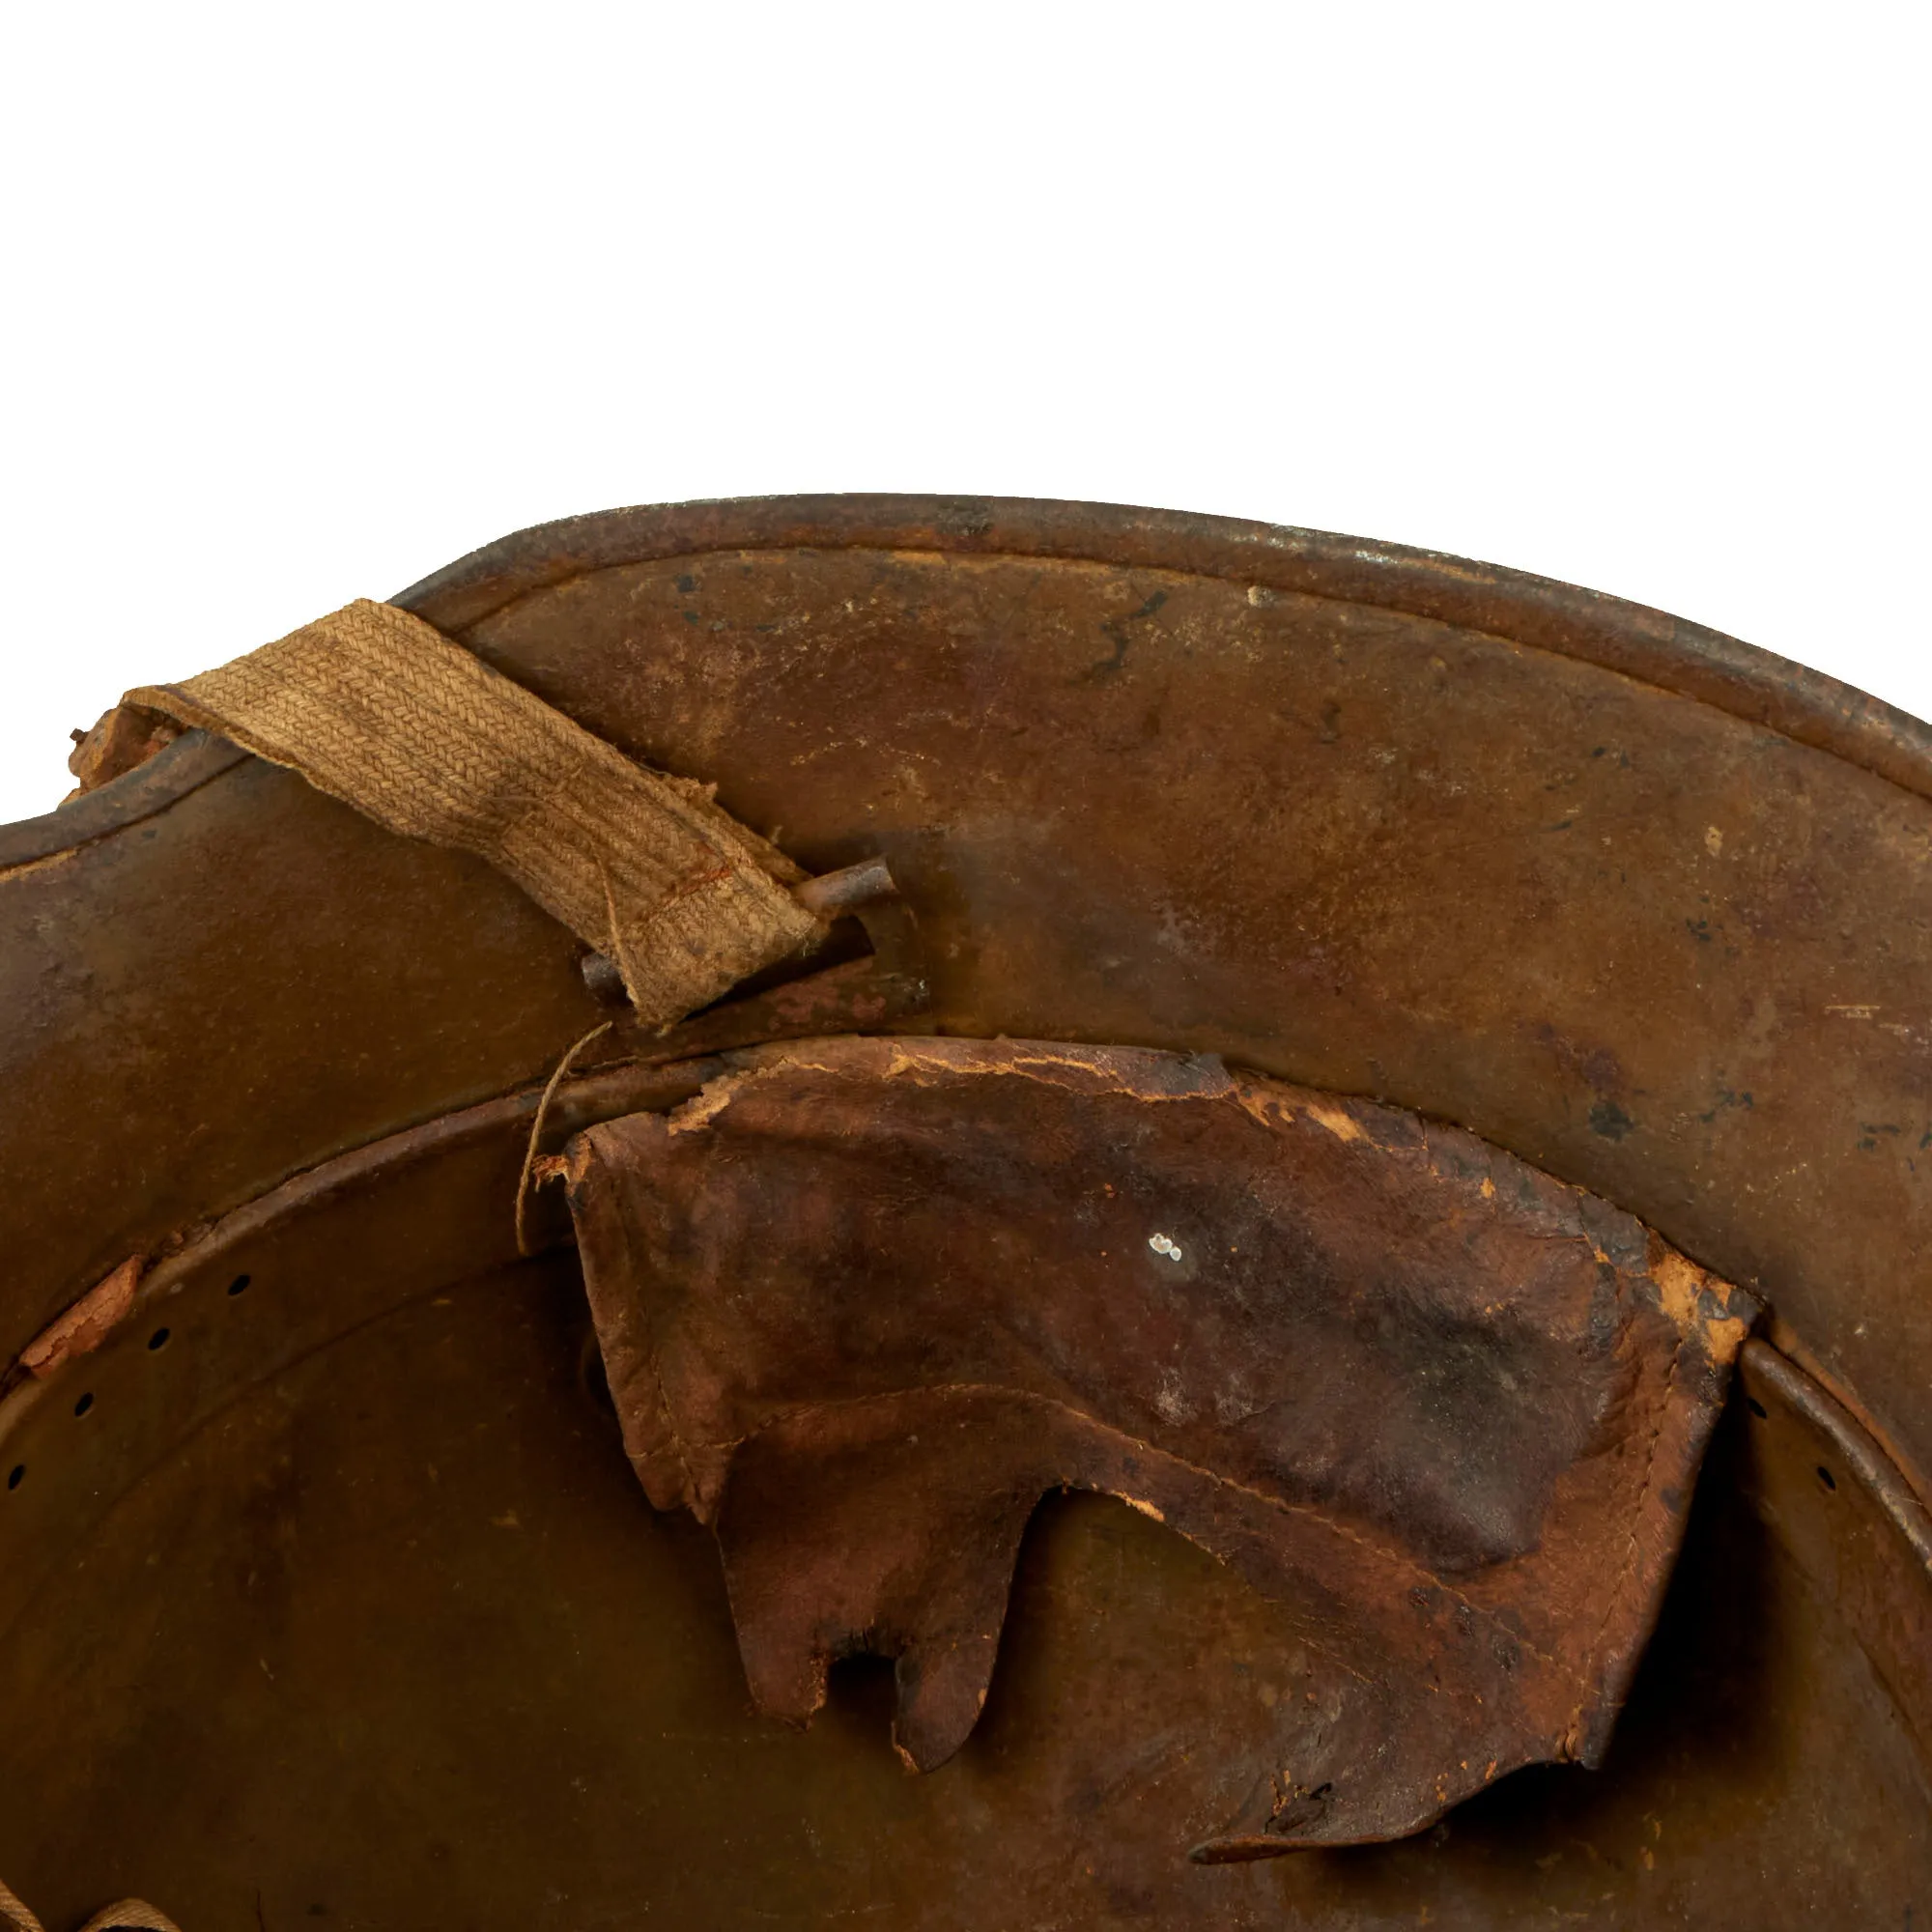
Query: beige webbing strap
x=382, y=711
x=130, y=1914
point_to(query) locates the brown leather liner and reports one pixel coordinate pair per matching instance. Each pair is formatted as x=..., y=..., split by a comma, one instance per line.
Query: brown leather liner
x=864, y=1302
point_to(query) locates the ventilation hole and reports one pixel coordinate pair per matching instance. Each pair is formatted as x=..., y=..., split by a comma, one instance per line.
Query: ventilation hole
x=16, y=1476
x=84, y=1404
x=1825, y=1477
x=158, y=1339
x=1756, y=1408
x=240, y=1284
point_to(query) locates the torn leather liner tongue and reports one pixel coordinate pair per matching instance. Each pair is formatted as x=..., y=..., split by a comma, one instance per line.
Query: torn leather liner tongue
x=381, y=710
x=864, y=1302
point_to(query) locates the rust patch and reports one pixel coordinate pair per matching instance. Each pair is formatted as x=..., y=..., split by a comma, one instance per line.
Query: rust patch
x=864, y=1302
x=119, y=741
x=87, y=1323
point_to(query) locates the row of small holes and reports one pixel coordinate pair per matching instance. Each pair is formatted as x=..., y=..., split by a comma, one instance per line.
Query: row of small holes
x=157, y=1342
x=1825, y=1476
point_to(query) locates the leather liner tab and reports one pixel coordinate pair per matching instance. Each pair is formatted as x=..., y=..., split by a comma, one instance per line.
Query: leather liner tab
x=864, y=1302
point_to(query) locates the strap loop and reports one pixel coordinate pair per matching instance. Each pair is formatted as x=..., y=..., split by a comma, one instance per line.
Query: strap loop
x=381, y=710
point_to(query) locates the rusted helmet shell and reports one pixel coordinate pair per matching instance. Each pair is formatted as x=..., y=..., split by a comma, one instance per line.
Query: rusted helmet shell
x=323, y=1592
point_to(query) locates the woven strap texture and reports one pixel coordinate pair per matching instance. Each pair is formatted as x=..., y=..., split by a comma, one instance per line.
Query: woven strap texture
x=129, y=1916
x=382, y=711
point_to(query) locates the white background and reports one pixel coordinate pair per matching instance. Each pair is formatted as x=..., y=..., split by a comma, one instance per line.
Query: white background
x=302, y=302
